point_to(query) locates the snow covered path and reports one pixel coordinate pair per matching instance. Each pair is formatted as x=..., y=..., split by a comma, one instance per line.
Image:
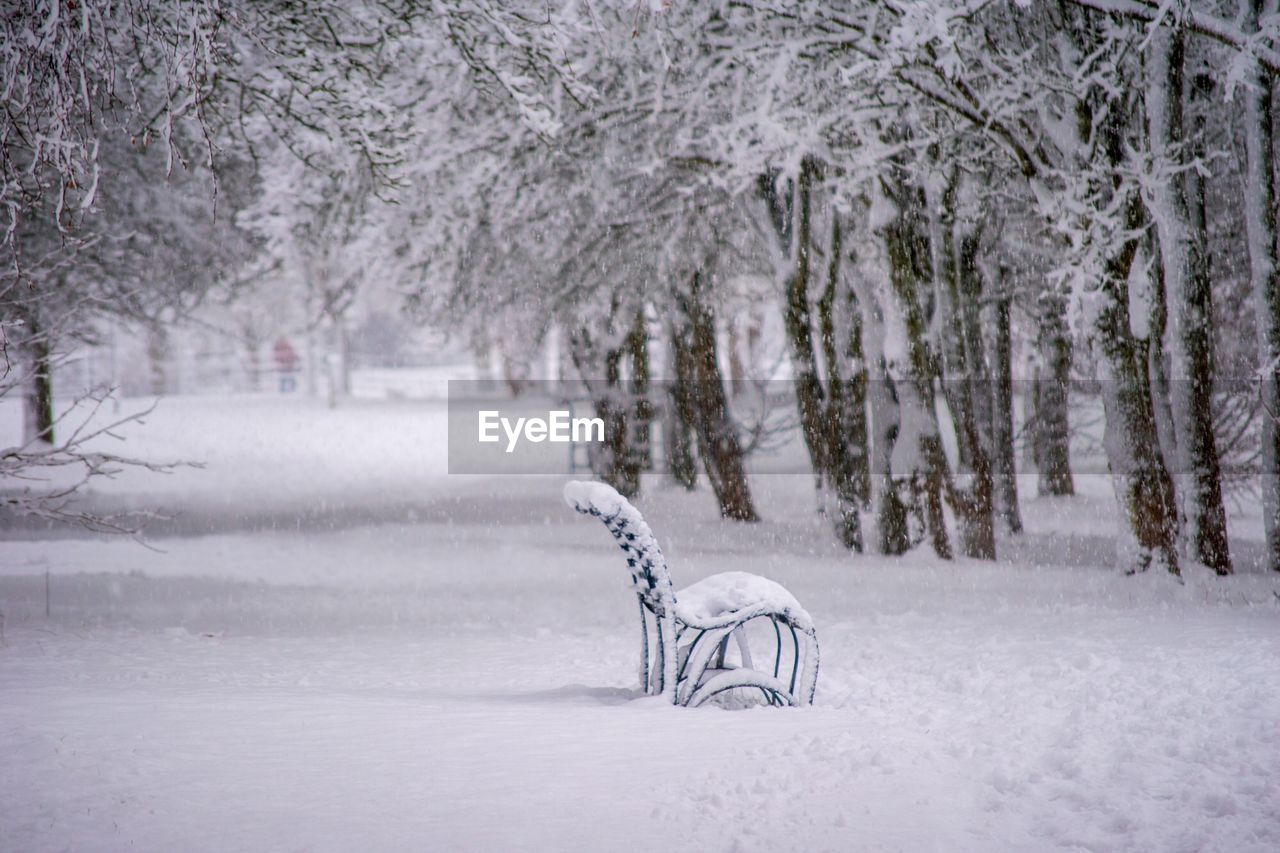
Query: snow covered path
x=462, y=684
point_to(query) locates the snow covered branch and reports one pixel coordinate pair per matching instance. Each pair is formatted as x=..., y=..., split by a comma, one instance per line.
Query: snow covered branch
x=1218, y=29
x=52, y=475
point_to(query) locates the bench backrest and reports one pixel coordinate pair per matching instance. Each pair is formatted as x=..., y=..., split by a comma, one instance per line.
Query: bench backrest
x=648, y=567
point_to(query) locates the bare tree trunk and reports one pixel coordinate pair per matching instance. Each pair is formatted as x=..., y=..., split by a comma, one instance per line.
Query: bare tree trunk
x=641, y=405
x=1264, y=271
x=856, y=435
x=344, y=354
x=37, y=398
x=718, y=444
x=958, y=285
x=893, y=530
x=839, y=440
x=973, y=502
x=1031, y=412
x=613, y=460
x=832, y=421
x=1148, y=521
x=157, y=355
x=1004, y=470
x=1143, y=489
x=1051, y=430
x=918, y=412
x=1185, y=274
x=974, y=505
x=973, y=294
x=737, y=370
x=799, y=328
x=678, y=418
x=311, y=369
x=617, y=465
x=1157, y=357
x=251, y=336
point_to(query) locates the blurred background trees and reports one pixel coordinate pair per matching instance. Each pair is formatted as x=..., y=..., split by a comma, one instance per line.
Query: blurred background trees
x=922, y=215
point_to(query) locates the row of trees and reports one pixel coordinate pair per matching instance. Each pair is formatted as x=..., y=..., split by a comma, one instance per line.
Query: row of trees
x=913, y=176
x=918, y=183
x=143, y=147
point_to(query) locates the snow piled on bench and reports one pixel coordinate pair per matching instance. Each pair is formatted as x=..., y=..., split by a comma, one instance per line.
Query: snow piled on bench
x=584, y=495
x=711, y=599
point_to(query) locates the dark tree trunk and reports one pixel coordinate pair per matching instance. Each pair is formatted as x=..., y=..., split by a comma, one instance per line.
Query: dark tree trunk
x=157, y=356
x=38, y=395
x=856, y=433
x=344, y=356
x=893, y=530
x=972, y=286
x=614, y=461
x=1004, y=470
x=718, y=444
x=973, y=504
x=1031, y=412
x=617, y=463
x=840, y=447
x=832, y=418
x=678, y=418
x=799, y=328
x=1178, y=214
x=1210, y=541
x=916, y=394
x=959, y=286
x=1051, y=431
x=1264, y=271
x=641, y=405
x=1143, y=487
x=251, y=335
x=1158, y=361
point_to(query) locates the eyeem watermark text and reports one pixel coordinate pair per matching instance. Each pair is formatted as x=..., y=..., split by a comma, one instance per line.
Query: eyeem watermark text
x=559, y=428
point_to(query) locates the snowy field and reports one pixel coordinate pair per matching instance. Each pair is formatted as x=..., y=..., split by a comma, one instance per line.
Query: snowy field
x=337, y=646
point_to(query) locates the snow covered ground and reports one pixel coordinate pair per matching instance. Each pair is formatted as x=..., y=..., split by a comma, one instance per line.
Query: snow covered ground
x=337, y=646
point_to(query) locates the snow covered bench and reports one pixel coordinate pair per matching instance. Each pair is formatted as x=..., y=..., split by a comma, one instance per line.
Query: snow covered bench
x=689, y=632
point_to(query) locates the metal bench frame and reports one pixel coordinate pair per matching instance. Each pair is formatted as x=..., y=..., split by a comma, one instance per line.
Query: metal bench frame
x=692, y=673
